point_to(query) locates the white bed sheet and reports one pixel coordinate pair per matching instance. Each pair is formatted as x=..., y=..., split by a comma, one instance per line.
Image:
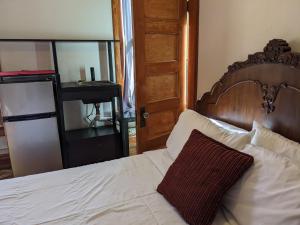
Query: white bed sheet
x=116, y=192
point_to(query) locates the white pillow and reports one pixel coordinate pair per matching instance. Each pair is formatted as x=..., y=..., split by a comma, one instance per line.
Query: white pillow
x=228, y=126
x=268, y=139
x=268, y=193
x=190, y=120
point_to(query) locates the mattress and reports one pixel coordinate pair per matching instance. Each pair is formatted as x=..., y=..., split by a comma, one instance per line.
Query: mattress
x=116, y=192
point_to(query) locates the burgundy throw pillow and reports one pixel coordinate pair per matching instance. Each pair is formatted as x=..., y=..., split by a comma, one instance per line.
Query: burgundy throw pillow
x=200, y=176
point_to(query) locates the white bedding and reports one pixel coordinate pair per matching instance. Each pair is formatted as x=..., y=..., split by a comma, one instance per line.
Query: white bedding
x=116, y=192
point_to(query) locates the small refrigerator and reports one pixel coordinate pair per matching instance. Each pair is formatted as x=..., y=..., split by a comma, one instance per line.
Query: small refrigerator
x=29, y=114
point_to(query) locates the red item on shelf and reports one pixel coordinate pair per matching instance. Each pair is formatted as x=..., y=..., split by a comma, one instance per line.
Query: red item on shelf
x=27, y=72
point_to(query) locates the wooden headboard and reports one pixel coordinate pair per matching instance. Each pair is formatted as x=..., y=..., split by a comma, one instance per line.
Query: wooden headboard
x=265, y=88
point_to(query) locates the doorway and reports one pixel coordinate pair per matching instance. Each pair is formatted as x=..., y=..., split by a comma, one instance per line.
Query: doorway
x=124, y=54
x=158, y=65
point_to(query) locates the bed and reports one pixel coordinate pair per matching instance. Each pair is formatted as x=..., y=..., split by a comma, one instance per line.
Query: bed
x=124, y=191
x=116, y=192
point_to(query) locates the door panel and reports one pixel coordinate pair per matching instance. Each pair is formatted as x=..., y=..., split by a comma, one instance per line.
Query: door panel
x=161, y=87
x=159, y=30
x=161, y=48
x=161, y=123
x=166, y=27
x=158, y=9
x=162, y=68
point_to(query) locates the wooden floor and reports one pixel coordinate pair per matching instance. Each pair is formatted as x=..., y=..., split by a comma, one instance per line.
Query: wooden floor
x=132, y=145
x=6, y=174
x=5, y=167
x=132, y=138
x=1, y=131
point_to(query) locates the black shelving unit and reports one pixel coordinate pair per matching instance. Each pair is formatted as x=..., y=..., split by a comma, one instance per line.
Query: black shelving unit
x=87, y=133
x=92, y=145
x=89, y=145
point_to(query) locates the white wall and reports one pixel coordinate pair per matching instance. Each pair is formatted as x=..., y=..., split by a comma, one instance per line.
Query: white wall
x=56, y=19
x=232, y=29
x=29, y=56
x=53, y=19
x=74, y=62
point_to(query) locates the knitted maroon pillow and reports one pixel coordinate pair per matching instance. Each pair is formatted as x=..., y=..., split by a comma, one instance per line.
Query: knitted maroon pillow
x=200, y=176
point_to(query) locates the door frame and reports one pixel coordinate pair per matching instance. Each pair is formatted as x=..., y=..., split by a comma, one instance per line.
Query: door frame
x=192, y=79
x=118, y=35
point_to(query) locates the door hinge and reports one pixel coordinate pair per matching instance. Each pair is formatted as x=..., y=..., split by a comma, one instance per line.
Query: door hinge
x=187, y=6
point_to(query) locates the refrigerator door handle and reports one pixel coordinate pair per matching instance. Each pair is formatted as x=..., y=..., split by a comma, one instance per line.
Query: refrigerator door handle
x=29, y=117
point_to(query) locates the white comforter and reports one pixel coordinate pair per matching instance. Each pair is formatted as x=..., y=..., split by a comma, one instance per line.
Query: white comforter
x=116, y=192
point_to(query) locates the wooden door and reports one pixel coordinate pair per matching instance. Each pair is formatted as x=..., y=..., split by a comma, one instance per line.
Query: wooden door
x=159, y=33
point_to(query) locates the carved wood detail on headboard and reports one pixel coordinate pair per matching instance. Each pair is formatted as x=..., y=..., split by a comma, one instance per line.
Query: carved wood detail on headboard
x=265, y=87
x=270, y=95
x=276, y=51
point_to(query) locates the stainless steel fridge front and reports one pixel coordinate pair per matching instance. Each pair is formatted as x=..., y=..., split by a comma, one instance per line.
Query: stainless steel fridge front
x=30, y=122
